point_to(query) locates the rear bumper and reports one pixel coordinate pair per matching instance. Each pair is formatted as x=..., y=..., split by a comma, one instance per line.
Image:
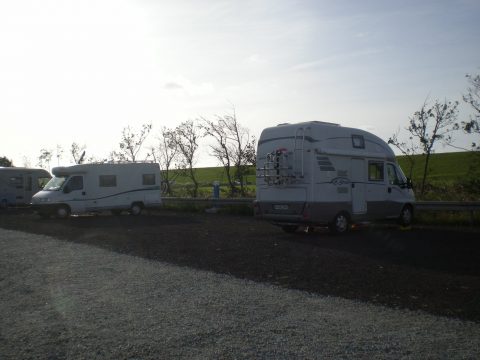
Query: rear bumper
x=280, y=212
x=315, y=213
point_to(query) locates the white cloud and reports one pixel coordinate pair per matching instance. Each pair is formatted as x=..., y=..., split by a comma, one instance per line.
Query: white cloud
x=188, y=88
x=256, y=59
x=172, y=86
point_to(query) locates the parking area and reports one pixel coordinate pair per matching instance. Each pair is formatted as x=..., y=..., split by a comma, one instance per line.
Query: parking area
x=69, y=299
x=433, y=270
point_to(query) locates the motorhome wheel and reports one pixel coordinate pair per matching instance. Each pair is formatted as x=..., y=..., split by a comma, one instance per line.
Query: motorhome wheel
x=62, y=212
x=406, y=216
x=136, y=209
x=340, y=223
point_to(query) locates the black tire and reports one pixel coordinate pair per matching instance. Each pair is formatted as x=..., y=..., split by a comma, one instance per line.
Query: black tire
x=62, y=212
x=136, y=209
x=289, y=228
x=406, y=216
x=340, y=223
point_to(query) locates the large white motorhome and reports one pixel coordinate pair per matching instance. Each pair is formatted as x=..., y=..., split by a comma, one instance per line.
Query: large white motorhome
x=17, y=185
x=89, y=188
x=318, y=173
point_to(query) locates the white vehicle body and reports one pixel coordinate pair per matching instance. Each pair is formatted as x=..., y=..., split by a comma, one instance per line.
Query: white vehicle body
x=318, y=173
x=17, y=185
x=88, y=188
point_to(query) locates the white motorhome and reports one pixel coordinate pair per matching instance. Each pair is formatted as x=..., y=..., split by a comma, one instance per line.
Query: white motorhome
x=89, y=188
x=17, y=185
x=318, y=173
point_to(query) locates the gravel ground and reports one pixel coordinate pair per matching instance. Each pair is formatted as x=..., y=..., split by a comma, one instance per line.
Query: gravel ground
x=435, y=270
x=65, y=300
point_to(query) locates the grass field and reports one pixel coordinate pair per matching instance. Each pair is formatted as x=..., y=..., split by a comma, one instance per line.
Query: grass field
x=452, y=176
x=444, y=167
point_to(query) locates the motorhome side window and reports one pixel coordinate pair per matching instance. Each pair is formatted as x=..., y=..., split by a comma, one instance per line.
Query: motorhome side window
x=16, y=182
x=108, y=180
x=75, y=183
x=28, y=185
x=42, y=182
x=148, y=179
x=375, y=171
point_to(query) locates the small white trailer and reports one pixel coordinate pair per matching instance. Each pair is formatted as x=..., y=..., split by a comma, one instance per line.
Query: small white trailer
x=100, y=187
x=17, y=185
x=318, y=173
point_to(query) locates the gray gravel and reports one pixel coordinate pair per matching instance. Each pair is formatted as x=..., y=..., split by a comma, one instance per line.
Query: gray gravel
x=62, y=300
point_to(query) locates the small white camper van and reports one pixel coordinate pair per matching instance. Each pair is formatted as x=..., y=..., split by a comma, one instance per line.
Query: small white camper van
x=88, y=188
x=318, y=173
x=17, y=185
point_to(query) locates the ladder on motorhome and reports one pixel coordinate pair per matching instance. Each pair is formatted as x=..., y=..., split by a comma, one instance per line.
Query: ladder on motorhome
x=277, y=168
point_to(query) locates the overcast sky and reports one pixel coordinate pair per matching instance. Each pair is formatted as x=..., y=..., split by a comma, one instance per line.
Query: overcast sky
x=83, y=70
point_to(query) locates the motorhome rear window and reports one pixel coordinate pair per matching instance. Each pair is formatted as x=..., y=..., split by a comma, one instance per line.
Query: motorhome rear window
x=108, y=180
x=148, y=179
x=375, y=171
x=358, y=142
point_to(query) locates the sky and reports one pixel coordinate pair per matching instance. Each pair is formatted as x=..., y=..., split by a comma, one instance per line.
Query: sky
x=82, y=71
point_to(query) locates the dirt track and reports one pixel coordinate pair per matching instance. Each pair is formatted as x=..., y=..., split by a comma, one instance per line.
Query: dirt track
x=437, y=271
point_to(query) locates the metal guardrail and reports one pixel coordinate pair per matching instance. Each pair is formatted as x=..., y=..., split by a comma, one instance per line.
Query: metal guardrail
x=208, y=201
x=470, y=206
x=448, y=205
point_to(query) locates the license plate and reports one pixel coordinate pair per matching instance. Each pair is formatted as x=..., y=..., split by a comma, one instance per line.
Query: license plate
x=280, y=207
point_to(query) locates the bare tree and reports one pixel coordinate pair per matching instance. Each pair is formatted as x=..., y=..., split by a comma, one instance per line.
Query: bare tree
x=166, y=153
x=431, y=125
x=234, y=147
x=408, y=149
x=78, y=152
x=223, y=148
x=59, y=153
x=472, y=97
x=245, y=145
x=45, y=158
x=131, y=143
x=26, y=162
x=186, y=136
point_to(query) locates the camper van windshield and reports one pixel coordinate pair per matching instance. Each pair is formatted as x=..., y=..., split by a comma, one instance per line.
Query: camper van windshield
x=55, y=183
x=402, y=176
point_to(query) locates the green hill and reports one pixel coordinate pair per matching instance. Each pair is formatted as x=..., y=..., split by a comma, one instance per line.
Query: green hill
x=443, y=167
x=451, y=177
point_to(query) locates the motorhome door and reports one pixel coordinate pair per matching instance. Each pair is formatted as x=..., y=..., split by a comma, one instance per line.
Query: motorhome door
x=358, y=175
x=75, y=195
x=29, y=191
x=397, y=192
